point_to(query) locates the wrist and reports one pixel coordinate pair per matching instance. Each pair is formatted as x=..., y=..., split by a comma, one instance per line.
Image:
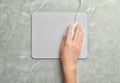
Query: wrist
x=69, y=68
x=69, y=73
x=68, y=65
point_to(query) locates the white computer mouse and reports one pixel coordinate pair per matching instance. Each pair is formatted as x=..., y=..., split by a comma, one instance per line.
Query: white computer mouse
x=73, y=29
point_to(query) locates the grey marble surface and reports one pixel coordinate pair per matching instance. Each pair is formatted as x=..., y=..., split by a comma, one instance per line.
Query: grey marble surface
x=16, y=64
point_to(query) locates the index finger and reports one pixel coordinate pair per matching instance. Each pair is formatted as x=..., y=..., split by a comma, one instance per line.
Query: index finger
x=69, y=32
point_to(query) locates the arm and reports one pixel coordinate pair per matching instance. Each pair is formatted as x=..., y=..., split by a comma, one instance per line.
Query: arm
x=69, y=53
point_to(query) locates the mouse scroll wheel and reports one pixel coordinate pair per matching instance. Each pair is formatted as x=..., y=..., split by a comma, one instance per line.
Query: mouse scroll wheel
x=74, y=27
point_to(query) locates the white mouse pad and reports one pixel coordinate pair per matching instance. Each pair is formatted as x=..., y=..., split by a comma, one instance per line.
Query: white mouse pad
x=48, y=29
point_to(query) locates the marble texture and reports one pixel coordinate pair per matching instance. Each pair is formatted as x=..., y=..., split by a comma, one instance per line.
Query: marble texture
x=16, y=64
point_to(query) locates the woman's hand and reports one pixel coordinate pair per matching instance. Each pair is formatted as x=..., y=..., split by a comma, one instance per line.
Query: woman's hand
x=70, y=51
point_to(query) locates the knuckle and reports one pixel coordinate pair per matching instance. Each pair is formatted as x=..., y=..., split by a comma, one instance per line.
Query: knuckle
x=75, y=45
x=67, y=44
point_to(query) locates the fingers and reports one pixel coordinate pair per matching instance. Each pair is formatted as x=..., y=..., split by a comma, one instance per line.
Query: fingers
x=81, y=41
x=81, y=36
x=63, y=41
x=68, y=36
x=69, y=32
x=76, y=35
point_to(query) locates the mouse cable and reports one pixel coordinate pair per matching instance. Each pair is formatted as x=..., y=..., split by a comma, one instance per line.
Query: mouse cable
x=77, y=11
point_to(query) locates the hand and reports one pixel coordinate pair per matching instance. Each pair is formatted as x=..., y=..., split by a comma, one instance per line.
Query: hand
x=70, y=51
x=70, y=47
